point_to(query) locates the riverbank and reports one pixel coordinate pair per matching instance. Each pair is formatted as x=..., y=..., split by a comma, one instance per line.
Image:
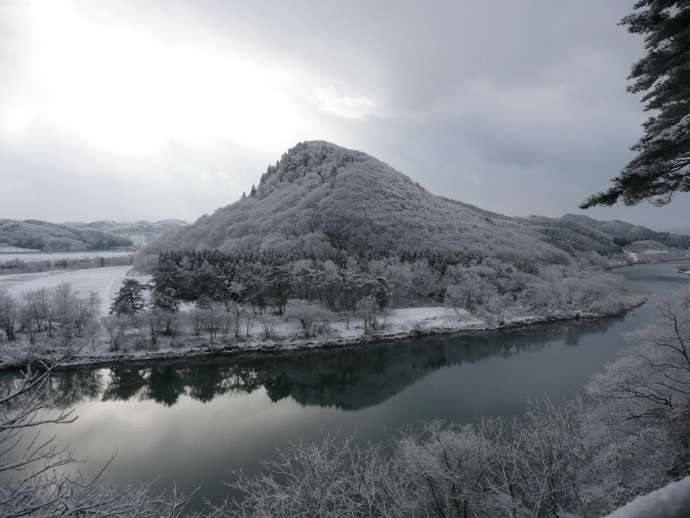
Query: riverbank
x=398, y=324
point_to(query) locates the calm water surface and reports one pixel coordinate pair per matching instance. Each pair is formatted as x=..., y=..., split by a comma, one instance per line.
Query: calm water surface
x=194, y=422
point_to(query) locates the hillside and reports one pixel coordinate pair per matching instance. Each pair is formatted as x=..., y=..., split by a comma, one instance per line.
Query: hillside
x=320, y=197
x=139, y=232
x=683, y=230
x=51, y=237
x=577, y=233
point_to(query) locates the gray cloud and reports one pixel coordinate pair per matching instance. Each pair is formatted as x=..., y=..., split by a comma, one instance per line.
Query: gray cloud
x=519, y=107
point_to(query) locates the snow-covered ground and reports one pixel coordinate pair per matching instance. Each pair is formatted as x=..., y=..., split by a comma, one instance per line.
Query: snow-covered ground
x=424, y=319
x=401, y=321
x=636, y=257
x=56, y=256
x=104, y=281
x=397, y=324
x=654, y=255
x=671, y=501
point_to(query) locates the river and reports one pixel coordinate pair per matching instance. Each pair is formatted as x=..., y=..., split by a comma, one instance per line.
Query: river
x=194, y=422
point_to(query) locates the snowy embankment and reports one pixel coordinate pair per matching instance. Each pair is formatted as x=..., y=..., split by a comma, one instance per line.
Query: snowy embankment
x=7, y=249
x=397, y=324
x=655, y=256
x=671, y=501
x=32, y=256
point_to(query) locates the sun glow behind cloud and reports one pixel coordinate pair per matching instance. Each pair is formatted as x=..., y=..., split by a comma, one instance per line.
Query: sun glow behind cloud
x=127, y=91
x=330, y=100
x=188, y=101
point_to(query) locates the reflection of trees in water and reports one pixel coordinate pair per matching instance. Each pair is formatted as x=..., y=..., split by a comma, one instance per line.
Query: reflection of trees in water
x=70, y=387
x=346, y=378
x=125, y=382
x=166, y=385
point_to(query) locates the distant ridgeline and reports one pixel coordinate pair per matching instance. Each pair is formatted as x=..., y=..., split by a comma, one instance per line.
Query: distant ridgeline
x=139, y=232
x=326, y=220
x=32, y=235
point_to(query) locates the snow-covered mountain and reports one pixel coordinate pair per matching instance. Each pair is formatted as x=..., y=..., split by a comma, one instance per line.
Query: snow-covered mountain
x=321, y=197
x=52, y=237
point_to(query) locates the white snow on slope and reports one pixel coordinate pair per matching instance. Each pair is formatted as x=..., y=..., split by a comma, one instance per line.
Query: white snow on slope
x=104, y=281
x=671, y=501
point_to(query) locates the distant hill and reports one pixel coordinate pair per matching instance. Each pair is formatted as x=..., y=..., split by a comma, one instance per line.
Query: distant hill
x=320, y=197
x=577, y=233
x=139, y=232
x=680, y=230
x=52, y=237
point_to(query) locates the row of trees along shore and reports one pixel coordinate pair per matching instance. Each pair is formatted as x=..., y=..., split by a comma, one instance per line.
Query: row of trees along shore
x=230, y=294
x=267, y=280
x=17, y=265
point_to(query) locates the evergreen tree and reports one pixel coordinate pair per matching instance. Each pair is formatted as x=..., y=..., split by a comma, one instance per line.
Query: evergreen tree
x=165, y=283
x=165, y=299
x=207, y=281
x=662, y=165
x=278, y=284
x=381, y=292
x=129, y=299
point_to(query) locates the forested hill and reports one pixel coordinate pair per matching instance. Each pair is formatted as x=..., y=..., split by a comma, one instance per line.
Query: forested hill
x=139, y=232
x=320, y=199
x=51, y=237
x=574, y=233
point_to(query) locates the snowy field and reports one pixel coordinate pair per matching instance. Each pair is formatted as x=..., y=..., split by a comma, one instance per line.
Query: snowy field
x=403, y=321
x=104, y=281
x=56, y=256
x=671, y=501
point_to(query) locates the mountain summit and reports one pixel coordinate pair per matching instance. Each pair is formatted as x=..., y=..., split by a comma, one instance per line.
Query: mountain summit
x=319, y=198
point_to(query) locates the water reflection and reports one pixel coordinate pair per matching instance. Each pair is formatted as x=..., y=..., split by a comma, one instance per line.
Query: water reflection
x=347, y=379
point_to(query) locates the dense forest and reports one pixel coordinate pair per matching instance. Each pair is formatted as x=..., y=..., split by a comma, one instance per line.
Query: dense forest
x=205, y=298
x=266, y=281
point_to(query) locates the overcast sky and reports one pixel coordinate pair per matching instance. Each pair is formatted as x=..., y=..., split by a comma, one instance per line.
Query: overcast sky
x=149, y=110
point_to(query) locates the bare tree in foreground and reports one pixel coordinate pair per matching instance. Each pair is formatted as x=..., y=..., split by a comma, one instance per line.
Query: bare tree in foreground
x=34, y=480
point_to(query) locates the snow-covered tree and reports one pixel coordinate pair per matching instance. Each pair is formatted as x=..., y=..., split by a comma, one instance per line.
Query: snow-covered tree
x=468, y=293
x=129, y=298
x=313, y=318
x=653, y=380
x=662, y=164
x=9, y=315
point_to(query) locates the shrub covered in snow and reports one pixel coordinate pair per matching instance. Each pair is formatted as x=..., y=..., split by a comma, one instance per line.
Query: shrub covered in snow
x=313, y=318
